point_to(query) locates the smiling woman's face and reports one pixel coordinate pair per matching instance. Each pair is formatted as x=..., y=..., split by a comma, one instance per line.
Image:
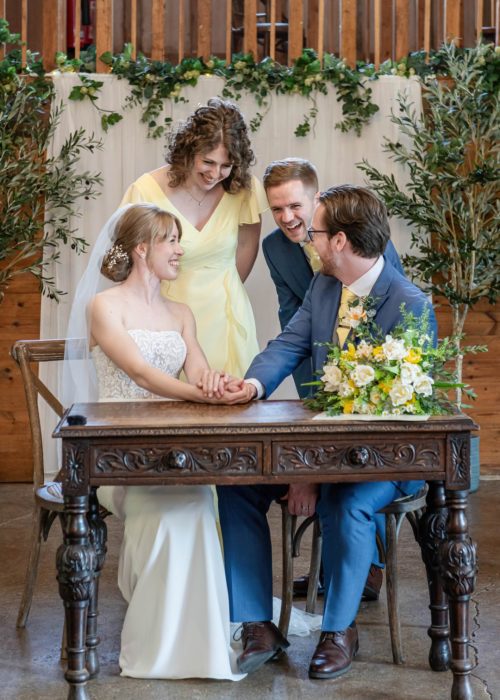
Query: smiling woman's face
x=211, y=168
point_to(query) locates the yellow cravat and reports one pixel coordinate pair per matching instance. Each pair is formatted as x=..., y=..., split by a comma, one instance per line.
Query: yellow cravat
x=343, y=326
x=312, y=257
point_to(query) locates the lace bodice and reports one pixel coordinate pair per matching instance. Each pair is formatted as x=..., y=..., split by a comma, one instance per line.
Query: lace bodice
x=164, y=350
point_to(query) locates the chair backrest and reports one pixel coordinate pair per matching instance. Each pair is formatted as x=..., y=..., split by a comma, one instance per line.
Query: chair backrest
x=26, y=353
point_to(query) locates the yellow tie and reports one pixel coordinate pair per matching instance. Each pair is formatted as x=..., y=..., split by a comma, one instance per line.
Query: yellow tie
x=312, y=257
x=343, y=326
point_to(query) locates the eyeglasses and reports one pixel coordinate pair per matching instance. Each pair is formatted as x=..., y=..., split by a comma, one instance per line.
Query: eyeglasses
x=311, y=232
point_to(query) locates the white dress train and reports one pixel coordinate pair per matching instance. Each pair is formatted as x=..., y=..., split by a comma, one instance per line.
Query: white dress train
x=171, y=571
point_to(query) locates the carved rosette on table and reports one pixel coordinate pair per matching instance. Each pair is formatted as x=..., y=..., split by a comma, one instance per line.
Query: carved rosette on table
x=341, y=457
x=73, y=472
x=164, y=459
x=458, y=464
x=75, y=567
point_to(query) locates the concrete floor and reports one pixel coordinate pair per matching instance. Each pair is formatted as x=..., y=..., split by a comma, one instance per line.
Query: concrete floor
x=29, y=659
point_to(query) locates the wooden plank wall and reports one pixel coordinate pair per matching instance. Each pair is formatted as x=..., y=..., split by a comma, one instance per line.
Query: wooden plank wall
x=357, y=29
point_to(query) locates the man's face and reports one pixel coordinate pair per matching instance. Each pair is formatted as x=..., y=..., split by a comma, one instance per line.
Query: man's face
x=325, y=246
x=292, y=206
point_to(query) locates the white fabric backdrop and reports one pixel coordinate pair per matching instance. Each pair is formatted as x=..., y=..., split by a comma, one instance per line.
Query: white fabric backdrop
x=127, y=153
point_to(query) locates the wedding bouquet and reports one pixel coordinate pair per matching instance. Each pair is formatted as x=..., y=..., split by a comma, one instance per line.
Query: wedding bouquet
x=384, y=375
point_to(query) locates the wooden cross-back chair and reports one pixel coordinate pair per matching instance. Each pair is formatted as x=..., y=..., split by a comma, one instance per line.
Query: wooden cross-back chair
x=48, y=499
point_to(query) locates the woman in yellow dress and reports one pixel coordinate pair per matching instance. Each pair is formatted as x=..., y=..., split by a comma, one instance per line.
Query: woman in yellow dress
x=207, y=184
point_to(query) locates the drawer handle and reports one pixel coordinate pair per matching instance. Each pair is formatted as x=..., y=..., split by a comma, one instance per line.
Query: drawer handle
x=176, y=459
x=358, y=456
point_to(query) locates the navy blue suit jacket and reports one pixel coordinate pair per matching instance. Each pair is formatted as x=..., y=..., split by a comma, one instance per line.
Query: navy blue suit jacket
x=314, y=323
x=292, y=275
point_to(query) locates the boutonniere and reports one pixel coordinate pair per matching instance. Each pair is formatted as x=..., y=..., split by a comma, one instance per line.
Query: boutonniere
x=361, y=310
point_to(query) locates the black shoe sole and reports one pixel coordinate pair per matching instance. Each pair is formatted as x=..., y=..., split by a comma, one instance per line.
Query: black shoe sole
x=255, y=661
x=370, y=594
x=325, y=676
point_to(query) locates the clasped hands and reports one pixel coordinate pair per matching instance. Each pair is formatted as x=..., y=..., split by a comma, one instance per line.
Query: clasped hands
x=221, y=388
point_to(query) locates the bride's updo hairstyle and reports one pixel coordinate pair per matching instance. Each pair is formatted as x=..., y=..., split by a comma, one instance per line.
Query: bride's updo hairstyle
x=140, y=223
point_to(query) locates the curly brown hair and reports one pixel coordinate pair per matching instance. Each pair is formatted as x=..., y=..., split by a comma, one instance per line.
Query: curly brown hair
x=219, y=122
x=140, y=223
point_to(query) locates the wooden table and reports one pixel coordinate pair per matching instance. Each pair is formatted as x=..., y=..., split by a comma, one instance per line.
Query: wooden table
x=168, y=442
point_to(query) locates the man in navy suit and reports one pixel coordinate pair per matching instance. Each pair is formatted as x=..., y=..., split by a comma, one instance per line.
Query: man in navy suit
x=291, y=185
x=350, y=232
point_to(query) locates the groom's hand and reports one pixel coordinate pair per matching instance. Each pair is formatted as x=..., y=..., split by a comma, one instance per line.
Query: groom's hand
x=302, y=499
x=239, y=391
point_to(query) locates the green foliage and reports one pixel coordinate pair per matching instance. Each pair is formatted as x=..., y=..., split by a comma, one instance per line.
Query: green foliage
x=452, y=156
x=38, y=191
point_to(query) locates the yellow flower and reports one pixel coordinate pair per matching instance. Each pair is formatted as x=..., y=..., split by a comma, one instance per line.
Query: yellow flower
x=414, y=356
x=378, y=352
x=347, y=406
x=386, y=385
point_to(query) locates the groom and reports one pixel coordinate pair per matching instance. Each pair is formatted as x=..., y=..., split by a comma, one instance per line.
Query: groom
x=349, y=232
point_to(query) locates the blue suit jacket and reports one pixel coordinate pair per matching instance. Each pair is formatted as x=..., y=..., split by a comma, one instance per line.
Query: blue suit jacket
x=292, y=275
x=315, y=321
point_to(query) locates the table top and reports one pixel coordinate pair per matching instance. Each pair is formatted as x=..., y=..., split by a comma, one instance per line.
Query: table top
x=136, y=418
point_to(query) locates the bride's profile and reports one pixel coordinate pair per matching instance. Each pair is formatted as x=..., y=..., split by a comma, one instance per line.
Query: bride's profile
x=170, y=570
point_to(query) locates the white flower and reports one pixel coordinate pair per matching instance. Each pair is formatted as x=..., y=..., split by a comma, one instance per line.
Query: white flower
x=400, y=393
x=362, y=375
x=423, y=385
x=394, y=349
x=375, y=395
x=409, y=373
x=361, y=406
x=354, y=316
x=332, y=377
x=345, y=390
x=364, y=349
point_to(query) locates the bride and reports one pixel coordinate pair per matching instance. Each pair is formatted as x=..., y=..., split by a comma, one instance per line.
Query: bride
x=170, y=570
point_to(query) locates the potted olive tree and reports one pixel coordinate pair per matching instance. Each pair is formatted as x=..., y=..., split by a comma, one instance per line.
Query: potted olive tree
x=451, y=153
x=38, y=190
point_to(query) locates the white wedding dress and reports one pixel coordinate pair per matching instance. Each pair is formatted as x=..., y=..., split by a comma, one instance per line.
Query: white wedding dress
x=171, y=571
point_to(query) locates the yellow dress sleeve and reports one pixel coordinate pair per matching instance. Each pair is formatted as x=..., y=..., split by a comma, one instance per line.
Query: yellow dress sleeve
x=254, y=203
x=133, y=195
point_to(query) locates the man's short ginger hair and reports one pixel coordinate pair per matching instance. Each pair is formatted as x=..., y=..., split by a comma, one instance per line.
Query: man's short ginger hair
x=281, y=171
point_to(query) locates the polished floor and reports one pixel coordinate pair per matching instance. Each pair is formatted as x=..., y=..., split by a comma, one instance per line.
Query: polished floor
x=29, y=659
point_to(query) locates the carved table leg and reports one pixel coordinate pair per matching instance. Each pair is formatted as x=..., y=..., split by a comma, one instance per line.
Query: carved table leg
x=75, y=565
x=98, y=535
x=458, y=572
x=432, y=533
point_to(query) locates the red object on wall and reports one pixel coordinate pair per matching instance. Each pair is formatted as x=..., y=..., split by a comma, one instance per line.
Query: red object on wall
x=87, y=27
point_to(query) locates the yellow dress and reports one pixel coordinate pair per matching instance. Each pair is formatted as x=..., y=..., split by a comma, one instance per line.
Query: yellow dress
x=208, y=281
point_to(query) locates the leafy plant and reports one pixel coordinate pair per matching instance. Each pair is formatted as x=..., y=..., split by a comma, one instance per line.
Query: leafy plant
x=451, y=152
x=38, y=191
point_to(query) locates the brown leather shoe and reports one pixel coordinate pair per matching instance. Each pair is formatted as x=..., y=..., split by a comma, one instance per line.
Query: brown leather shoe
x=261, y=642
x=373, y=583
x=334, y=653
x=301, y=584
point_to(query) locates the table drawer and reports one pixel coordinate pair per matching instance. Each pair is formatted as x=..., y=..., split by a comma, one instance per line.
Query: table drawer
x=334, y=455
x=175, y=458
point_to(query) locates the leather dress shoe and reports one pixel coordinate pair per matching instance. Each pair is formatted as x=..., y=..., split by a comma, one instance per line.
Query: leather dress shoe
x=301, y=584
x=261, y=641
x=373, y=583
x=334, y=653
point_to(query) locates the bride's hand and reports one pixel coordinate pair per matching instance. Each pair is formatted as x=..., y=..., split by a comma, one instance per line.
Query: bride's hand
x=212, y=383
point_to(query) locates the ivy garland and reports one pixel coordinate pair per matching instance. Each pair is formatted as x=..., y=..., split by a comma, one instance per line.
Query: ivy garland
x=153, y=82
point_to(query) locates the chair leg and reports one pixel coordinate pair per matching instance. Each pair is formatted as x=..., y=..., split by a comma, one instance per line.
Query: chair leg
x=312, y=588
x=64, y=641
x=287, y=527
x=391, y=530
x=39, y=516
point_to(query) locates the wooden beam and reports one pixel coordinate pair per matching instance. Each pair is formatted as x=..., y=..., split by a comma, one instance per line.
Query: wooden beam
x=204, y=38
x=250, y=28
x=272, y=30
x=133, y=27
x=103, y=32
x=181, y=31
x=453, y=21
x=158, y=30
x=312, y=24
x=377, y=31
x=77, y=26
x=386, y=31
x=427, y=27
x=295, y=29
x=2, y=15
x=402, y=28
x=53, y=31
x=348, y=22
x=229, y=30
x=497, y=22
x=321, y=30
x=479, y=19
x=24, y=31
